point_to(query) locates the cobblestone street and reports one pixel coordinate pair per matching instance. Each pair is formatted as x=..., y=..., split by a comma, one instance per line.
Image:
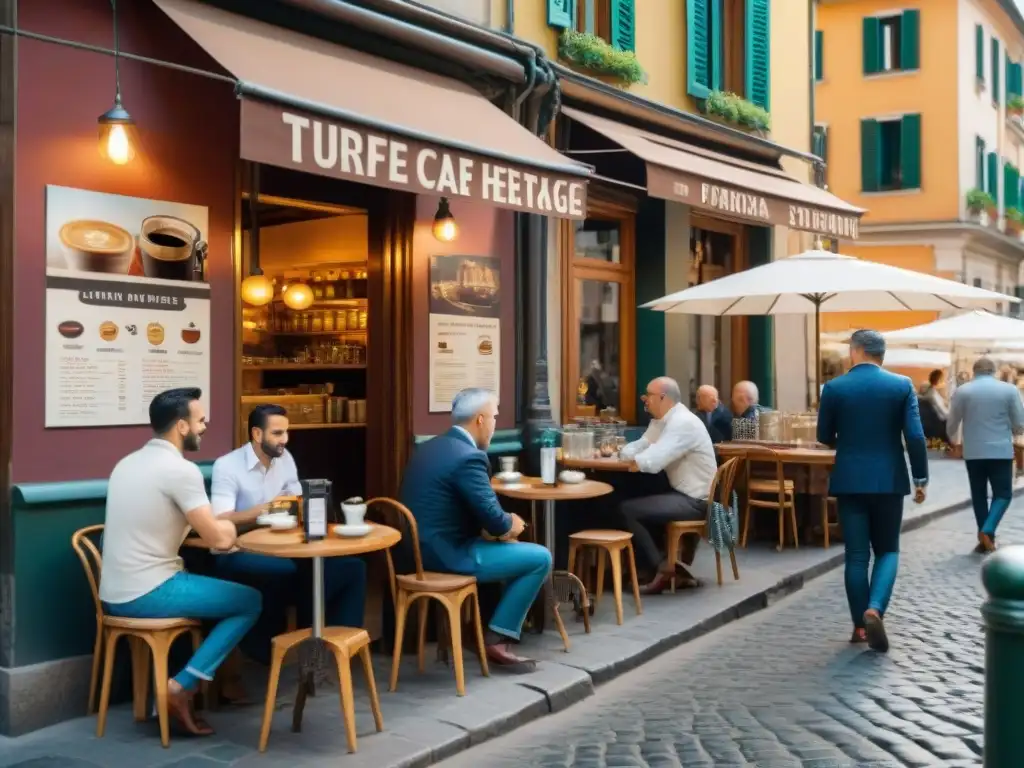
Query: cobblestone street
x=784, y=689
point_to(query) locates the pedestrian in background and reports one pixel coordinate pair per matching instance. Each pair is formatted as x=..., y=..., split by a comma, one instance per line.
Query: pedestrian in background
x=991, y=413
x=866, y=415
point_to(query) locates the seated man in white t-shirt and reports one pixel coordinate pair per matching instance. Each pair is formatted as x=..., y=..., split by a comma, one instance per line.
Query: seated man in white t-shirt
x=676, y=452
x=153, y=496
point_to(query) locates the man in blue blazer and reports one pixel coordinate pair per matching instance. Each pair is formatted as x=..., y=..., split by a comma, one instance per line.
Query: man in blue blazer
x=447, y=486
x=716, y=417
x=990, y=412
x=870, y=416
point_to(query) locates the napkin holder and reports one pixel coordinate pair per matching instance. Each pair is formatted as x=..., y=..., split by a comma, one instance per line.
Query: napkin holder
x=317, y=503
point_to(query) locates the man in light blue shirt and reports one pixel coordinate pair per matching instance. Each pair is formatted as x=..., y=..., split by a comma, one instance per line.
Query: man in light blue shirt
x=990, y=412
x=245, y=481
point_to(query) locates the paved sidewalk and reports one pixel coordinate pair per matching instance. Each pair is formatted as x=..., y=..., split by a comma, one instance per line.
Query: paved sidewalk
x=425, y=721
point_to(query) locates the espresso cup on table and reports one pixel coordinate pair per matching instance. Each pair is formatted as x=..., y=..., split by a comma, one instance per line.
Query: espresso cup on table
x=96, y=246
x=169, y=245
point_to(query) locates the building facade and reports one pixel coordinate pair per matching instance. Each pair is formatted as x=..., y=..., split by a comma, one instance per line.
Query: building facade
x=922, y=128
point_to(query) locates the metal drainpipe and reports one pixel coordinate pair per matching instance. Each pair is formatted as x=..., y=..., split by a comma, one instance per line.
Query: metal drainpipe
x=425, y=39
x=510, y=17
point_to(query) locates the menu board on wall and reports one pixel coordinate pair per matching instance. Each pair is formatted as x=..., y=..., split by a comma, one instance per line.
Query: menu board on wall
x=465, y=329
x=127, y=309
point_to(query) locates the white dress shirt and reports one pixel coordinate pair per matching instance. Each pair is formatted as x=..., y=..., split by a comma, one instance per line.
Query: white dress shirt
x=679, y=444
x=240, y=480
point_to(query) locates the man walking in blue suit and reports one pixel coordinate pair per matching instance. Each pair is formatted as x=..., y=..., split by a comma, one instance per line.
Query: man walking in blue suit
x=990, y=412
x=867, y=415
x=447, y=486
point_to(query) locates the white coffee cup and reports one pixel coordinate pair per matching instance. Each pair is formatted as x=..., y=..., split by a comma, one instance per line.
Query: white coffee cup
x=354, y=511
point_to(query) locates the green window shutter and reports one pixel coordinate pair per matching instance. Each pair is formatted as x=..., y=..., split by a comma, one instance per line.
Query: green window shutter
x=698, y=75
x=979, y=162
x=872, y=46
x=910, y=152
x=1014, y=188
x=1007, y=179
x=979, y=53
x=820, y=148
x=910, y=40
x=992, y=176
x=562, y=14
x=623, y=14
x=995, y=71
x=870, y=155
x=758, y=54
x=819, y=55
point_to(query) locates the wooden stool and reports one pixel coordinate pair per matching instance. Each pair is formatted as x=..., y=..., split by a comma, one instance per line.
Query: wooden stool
x=145, y=636
x=776, y=493
x=610, y=543
x=345, y=642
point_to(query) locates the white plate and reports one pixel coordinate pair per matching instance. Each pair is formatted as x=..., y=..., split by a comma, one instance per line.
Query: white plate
x=273, y=519
x=284, y=525
x=509, y=477
x=353, y=531
x=572, y=477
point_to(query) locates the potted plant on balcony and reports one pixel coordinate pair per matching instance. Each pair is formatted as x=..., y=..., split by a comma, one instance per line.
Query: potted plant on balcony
x=594, y=56
x=726, y=107
x=1015, y=223
x=1015, y=107
x=981, y=207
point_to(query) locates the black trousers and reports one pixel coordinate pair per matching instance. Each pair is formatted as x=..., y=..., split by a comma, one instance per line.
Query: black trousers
x=997, y=473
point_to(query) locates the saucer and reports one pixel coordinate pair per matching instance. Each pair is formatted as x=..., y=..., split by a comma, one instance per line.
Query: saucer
x=284, y=525
x=276, y=520
x=572, y=477
x=353, y=531
x=509, y=477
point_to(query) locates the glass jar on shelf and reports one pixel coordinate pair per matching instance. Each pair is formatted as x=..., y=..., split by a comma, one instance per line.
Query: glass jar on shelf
x=318, y=286
x=329, y=320
x=316, y=324
x=353, y=319
x=304, y=328
x=362, y=320
x=341, y=320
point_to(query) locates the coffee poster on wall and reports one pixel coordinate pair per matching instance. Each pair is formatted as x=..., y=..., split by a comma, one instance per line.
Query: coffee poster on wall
x=127, y=305
x=465, y=329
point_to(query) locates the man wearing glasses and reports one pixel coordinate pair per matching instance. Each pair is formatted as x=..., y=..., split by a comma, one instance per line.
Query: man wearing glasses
x=675, y=462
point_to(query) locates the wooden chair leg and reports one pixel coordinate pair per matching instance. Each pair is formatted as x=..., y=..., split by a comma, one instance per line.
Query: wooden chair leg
x=782, y=530
x=423, y=611
x=634, y=579
x=455, y=632
x=718, y=566
x=348, y=702
x=140, y=677
x=616, y=558
x=824, y=523
x=160, y=645
x=97, y=659
x=600, y=553
x=401, y=609
x=573, y=548
x=371, y=685
x=478, y=628
x=273, y=680
x=746, y=523
x=108, y=672
x=672, y=556
x=735, y=568
x=792, y=522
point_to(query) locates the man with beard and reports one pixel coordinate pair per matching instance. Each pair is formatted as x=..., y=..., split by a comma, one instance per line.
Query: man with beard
x=245, y=481
x=153, y=496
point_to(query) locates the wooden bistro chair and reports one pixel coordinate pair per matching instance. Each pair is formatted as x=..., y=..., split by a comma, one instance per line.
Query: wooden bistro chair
x=775, y=492
x=607, y=545
x=145, y=636
x=722, y=484
x=448, y=589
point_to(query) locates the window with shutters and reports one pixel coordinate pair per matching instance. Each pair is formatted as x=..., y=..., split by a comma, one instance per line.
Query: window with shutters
x=594, y=16
x=979, y=162
x=728, y=48
x=819, y=55
x=891, y=154
x=892, y=43
x=611, y=20
x=979, y=54
x=819, y=145
x=995, y=71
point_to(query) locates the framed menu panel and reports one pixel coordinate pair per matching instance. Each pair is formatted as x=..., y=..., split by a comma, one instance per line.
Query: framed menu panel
x=465, y=329
x=127, y=306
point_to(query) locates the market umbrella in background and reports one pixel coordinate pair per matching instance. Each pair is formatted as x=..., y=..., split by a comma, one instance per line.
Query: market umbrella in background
x=820, y=281
x=894, y=358
x=976, y=331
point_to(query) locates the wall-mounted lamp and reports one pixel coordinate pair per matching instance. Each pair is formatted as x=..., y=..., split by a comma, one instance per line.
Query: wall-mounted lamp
x=257, y=290
x=116, y=127
x=445, y=229
x=298, y=296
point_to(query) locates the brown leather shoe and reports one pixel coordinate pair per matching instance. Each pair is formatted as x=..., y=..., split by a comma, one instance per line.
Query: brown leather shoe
x=875, y=630
x=859, y=636
x=986, y=542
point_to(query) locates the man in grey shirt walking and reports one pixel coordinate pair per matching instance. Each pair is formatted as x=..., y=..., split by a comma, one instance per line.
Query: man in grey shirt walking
x=991, y=413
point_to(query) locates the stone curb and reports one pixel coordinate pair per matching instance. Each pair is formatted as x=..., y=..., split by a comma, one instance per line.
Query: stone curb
x=585, y=684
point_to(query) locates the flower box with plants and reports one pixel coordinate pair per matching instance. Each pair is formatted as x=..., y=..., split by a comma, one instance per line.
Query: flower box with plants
x=735, y=110
x=981, y=206
x=594, y=56
x=1014, y=222
x=1015, y=106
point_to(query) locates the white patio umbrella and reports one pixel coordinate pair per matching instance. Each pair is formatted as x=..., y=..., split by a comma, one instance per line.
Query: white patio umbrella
x=820, y=281
x=976, y=331
x=896, y=358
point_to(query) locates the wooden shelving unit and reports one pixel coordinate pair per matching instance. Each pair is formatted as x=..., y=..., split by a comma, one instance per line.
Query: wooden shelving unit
x=306, y=367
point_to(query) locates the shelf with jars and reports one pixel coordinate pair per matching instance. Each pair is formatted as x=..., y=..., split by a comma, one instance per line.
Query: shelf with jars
x=318, y=319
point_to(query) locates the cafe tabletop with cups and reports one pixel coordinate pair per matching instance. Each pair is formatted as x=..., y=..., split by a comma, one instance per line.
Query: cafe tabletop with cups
x=291, y=543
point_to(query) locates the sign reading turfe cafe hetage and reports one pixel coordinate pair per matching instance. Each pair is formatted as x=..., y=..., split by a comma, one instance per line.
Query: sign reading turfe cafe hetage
x=287, y=138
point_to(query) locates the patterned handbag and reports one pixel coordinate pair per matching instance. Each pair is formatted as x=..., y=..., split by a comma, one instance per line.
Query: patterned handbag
x=723, y=525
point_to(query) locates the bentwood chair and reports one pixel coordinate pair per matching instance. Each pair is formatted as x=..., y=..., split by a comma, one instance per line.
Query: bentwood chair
x=448, y=589
x=722, y=485
x=770, y=492
x=145, y=636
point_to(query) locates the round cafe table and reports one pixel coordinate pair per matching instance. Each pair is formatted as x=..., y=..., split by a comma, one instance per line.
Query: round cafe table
x=291, y=544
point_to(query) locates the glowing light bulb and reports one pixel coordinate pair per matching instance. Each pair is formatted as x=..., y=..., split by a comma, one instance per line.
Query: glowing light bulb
x=119, y=148
x=257, y=290
x=446, y=230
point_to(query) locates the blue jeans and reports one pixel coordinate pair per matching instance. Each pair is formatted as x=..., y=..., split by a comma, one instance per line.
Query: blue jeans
x=283, y=581
x=871, y=522
x=199, y=597
x=523, y=568
x=981, y=473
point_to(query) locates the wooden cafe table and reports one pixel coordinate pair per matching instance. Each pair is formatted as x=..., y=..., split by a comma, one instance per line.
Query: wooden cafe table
x=291, y=544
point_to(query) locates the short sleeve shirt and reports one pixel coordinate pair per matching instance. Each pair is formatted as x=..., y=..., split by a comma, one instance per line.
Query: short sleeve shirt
x=240, y=481
x=148, y=495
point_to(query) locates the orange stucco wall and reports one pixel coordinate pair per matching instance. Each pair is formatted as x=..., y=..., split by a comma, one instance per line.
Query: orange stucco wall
x=920, y=258
x=846, y=96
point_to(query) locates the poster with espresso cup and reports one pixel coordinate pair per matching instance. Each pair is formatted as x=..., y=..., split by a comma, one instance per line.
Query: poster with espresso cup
x=127, y=305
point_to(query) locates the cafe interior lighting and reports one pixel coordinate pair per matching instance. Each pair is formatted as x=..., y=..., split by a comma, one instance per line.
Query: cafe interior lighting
x=298, y=296
x=116, y=127
x=257, y=290
x=445, y=229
